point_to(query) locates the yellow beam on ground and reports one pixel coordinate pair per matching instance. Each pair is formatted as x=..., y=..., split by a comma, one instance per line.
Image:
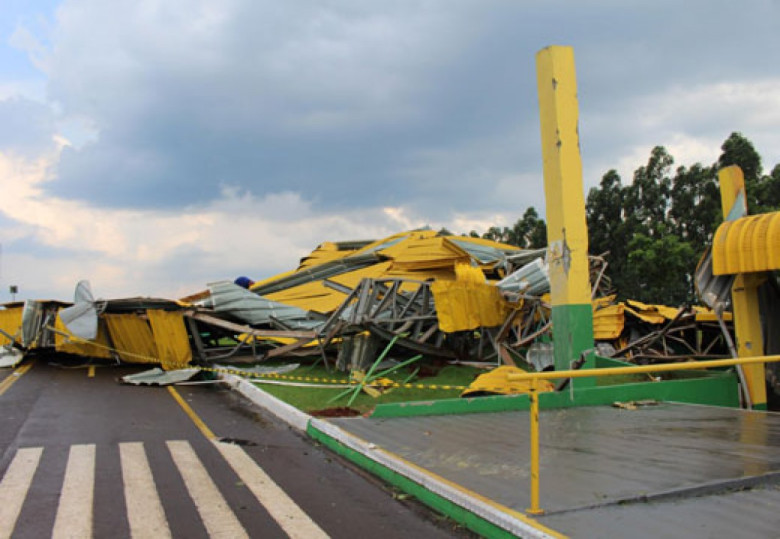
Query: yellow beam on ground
x=744, y=292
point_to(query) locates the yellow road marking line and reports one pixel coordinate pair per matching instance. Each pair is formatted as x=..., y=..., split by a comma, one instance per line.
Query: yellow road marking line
x=145, y=513
x=217, y=516
x=91, y=371
x=74, y=513
x=292, y=519
x=13, y=377
x=14, y=487
x=191, y=413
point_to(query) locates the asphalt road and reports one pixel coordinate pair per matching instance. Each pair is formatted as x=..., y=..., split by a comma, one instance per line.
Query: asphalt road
x=83, y=456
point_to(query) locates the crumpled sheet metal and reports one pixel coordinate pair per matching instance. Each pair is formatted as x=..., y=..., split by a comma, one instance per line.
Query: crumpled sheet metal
x=99, y=346
x=532, y=279
x=81, y=318
x=496, y=382
x=10, y=357
x=170, y=338
x=249, y=306
x=159, y=377
x=462, y=306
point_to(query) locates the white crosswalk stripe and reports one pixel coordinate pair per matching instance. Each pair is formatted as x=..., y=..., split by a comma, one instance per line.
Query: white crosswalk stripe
x=145, y=514
x=286, y=512
x=144, y=510
x=219, y=520
x=14, y=487
x=74, y=514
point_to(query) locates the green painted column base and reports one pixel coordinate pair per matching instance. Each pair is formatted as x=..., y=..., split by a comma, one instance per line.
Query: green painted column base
x=573, y=334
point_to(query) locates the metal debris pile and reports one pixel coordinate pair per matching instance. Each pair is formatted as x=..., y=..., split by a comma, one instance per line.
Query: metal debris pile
x=453, y=298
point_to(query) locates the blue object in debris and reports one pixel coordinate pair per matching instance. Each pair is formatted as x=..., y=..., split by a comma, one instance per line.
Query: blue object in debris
x=244, y=282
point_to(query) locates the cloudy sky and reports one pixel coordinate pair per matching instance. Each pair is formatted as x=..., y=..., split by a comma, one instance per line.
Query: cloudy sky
x=153, y=146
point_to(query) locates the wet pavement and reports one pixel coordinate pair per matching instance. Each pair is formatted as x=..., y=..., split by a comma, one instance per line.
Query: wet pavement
x=55, y=410
x=600, y=462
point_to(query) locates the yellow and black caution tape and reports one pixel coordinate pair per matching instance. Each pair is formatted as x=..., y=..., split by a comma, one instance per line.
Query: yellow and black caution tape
x=343, y=381
x=383, y=383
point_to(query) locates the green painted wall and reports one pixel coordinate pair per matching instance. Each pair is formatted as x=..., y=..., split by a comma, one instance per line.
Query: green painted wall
x=717, y=389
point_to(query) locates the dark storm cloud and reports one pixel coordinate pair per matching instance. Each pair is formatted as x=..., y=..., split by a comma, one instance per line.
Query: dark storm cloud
x=353, y=104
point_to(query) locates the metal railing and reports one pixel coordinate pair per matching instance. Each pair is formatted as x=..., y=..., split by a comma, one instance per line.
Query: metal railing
x=533, y=395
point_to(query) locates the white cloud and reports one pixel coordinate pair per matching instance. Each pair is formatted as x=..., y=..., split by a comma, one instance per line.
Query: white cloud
x=692, y=122
x=257, y=130
x=169, y=254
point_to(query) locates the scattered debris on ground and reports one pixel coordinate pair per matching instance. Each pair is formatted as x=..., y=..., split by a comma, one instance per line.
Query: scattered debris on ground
x=416, y=299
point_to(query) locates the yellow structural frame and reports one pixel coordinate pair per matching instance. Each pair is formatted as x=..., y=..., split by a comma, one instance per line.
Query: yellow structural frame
x=744, y=292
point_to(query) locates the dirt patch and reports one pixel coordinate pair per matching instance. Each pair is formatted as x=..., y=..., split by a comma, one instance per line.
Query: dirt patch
x=339, y=411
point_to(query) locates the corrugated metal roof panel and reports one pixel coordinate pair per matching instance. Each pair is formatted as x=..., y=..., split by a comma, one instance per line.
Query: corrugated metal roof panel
x=248, y=306
x=132, y=337
x=171, y=338
x=747, y=245
x=608, y=322
x=425, y=253
x=11, y=323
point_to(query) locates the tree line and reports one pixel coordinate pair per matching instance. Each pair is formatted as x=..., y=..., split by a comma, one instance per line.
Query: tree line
x=655, y=228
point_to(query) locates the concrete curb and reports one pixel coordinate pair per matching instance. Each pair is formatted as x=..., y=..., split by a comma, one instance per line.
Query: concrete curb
x=289, y=414
x=503, y=517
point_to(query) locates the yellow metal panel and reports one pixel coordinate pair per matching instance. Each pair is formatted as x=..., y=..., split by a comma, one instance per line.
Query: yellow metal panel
x=732, y=192
x=408, y=234
x=325, y=252
x=170, y=337
x=462, y=306
x=567, y=234
x=747, y=245
x=497, y=381
x=315, y=296
x=486, y=243
x=705, y=314
x=132, y=338
x=608, y=322
x=468, y=273
x=11, y=323
x=425, y=253
x=99, y=347
x=646, y=313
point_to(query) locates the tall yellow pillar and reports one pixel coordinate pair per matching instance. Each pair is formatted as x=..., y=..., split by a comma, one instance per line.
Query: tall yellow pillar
x=744, y=291
x=567, y=231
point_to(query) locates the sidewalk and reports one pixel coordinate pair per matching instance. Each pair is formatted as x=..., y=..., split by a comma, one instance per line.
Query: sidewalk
x=666, y=470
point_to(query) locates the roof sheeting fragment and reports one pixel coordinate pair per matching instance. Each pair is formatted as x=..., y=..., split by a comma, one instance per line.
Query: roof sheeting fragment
x=249, y=306
x=170, y=338
x=746, y=245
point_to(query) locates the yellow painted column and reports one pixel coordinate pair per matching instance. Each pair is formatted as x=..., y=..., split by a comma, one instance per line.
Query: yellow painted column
x=567, y=231
x=744, y=291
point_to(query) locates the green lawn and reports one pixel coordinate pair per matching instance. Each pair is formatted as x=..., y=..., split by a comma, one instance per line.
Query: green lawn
x=312, y=399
